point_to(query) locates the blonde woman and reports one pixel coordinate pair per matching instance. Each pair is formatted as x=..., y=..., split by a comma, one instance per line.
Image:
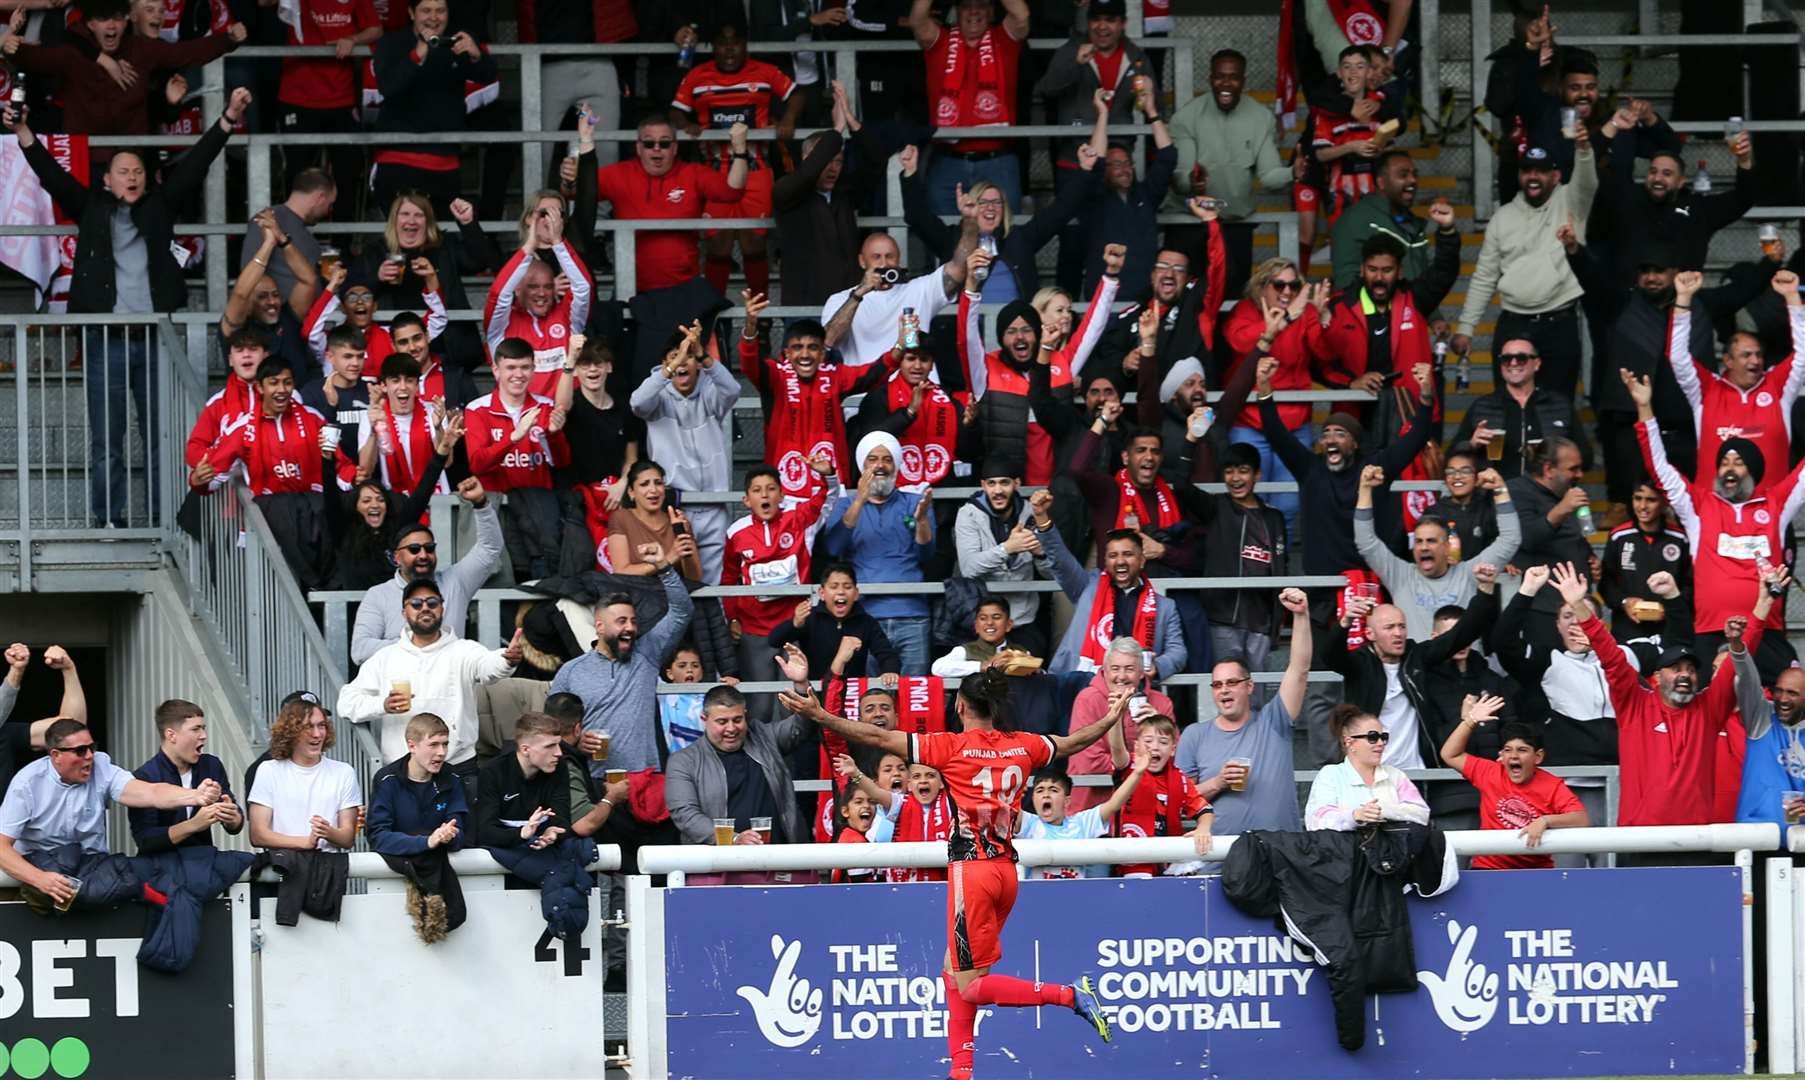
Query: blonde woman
x=1277, y=284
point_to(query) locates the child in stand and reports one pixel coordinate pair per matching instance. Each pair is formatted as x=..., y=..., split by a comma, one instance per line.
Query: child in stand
x=925, y=814
x=1513, y=792
x=1164, y=797
x=890, y=774
x=855, y=814
x=1052, y=788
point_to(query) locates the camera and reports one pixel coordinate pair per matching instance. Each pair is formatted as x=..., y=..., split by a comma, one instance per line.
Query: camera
x=889, y=275
x=433, y=42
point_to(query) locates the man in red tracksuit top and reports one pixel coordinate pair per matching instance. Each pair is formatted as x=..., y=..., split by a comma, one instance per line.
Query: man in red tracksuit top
x=656, y=185
x=1666, y=736
x=1733, y=526
x=771, y=546
x=515, y=438
x=245, y=353
x=802, y=398
x=524, y=302
x=1748, y=399
x=284, y=453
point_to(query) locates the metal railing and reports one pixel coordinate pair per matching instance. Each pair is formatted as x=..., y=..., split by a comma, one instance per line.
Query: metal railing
x=243, y=590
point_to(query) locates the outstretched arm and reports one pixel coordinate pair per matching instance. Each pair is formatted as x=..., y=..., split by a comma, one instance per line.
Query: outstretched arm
x=1067, y=745
x=804, y=703
x=1297, y=671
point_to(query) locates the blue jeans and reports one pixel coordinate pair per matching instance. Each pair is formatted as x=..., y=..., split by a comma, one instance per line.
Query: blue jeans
x=115, y=358
x=1272, y=467
x=948, y=171
x=909, y=633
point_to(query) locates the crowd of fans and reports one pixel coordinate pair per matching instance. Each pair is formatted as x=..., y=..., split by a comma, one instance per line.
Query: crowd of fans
x=1469, y=631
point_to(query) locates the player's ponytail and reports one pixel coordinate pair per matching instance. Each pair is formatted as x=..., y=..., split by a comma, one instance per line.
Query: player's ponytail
x=987, y=695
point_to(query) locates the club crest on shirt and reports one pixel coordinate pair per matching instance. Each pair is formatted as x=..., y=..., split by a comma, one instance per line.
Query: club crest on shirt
x=1764, y=399
x=1762, y=517
x=676, y=195
x=1670, y=552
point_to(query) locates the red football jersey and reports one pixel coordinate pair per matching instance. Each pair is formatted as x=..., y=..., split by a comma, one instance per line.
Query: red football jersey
x=986, y=774
x=718, y=100
x=1158, y=807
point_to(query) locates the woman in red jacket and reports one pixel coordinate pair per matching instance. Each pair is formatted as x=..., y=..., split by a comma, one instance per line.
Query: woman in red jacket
x=1274, y=319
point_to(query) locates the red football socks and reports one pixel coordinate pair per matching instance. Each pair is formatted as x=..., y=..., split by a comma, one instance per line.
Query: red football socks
x=758, y=273
x=717, y=271
x=1018, y=993
x=961, y=1018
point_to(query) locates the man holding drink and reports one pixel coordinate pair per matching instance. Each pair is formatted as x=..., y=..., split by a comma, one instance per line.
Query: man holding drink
x=1517, y=417
x=428, y=670
x=1241, y=761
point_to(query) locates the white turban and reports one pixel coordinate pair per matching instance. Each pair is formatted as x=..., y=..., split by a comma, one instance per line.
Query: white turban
x=874, y=440
x=1175, y=378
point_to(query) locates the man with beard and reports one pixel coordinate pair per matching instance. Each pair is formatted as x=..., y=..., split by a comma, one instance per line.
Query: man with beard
x=1775, y=764
x=1733, y=526
x=1548, y=497
x=887, y=533
x=1174, y=409
x=618, y=681
x=802, y=396
x=1747, y=399
x=1630, y=220
x=1521, y=260
x=995, y=543
x=427, y=671
x=1521, y=411
x=1667, y=735
x=525, y=301
x=912, y=409
x=1386, y=211
x=1167, y=326
x=1431, y=580
x=998, y=381
x=379, y=614
x=1137, y=495
x=1634, y=332
x=1116, y=603
x=1329, y=480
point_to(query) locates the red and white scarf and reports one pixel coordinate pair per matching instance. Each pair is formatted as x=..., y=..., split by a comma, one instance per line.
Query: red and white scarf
x=595, y=518
x=403, y=462
x=1165, y=512
x=916, y=823
x=1360, y=24
x=1101, y=628
x=979, y=102
x=930, y=441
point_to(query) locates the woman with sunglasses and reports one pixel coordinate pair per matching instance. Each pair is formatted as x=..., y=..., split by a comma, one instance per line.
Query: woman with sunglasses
x=1275, y=319
x=1361, y=789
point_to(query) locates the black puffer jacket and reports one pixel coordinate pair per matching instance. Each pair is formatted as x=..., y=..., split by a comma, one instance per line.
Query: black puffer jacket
x=1003, y=411
x=1339, y=894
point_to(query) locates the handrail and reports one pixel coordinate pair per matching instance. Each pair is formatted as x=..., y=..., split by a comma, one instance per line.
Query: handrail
x=709, y=859
x=470, y=862
x=1608, y=773
x=702, y=48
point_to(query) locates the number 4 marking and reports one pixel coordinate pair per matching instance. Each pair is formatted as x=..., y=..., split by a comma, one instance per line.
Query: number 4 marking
x=574, y=952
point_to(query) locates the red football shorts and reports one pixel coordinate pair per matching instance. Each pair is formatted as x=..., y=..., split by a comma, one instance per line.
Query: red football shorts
x=979, y=895
x=1303, y=196
x=754, y=201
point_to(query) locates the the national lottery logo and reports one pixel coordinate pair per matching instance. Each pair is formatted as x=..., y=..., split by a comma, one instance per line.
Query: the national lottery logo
x=788, y=1011
x=1545, y=981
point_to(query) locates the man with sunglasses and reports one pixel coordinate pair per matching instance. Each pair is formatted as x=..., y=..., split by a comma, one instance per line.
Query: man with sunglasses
x=53, y=825
x=427, y=671
x=416, y=555
x=1520, y=412
x=654, y=184
x=1242, y=760
x=1524, y=263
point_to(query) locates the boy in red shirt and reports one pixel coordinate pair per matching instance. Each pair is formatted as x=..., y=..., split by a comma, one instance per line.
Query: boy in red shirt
x=515, y=439
x=1345, y=146
x=1164, y=797
x=729, y=89
x=986, y=766
x=770, y=547
x=1513, y=792
x=320, y=95
x=245, y=352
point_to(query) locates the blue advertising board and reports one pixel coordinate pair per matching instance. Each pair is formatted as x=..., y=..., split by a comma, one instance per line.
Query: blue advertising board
x=1526, y=973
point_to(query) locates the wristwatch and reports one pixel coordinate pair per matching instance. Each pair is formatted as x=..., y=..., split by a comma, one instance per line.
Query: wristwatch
x=742, y=155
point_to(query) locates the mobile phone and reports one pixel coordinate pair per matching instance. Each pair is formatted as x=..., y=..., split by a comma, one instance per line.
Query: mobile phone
x=679, y=528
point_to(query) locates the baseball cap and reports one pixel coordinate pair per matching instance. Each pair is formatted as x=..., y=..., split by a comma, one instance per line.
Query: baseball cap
x=308, y=697
x=1674, y=654
x=1536, y=158
x=421, y=584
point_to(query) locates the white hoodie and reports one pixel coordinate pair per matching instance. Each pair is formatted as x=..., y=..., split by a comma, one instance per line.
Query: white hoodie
x=443, y=677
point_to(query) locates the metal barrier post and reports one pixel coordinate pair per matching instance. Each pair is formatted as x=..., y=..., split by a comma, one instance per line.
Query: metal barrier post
x=1483, y=162
x=1782, y=1032
x=1184, y=72
x=1430, y=63
x=1745, y=864
x=256, y=174
x=846, y=69
x=1288, y=242
x=626, y=273
x=22, y=431
x=532, y=153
